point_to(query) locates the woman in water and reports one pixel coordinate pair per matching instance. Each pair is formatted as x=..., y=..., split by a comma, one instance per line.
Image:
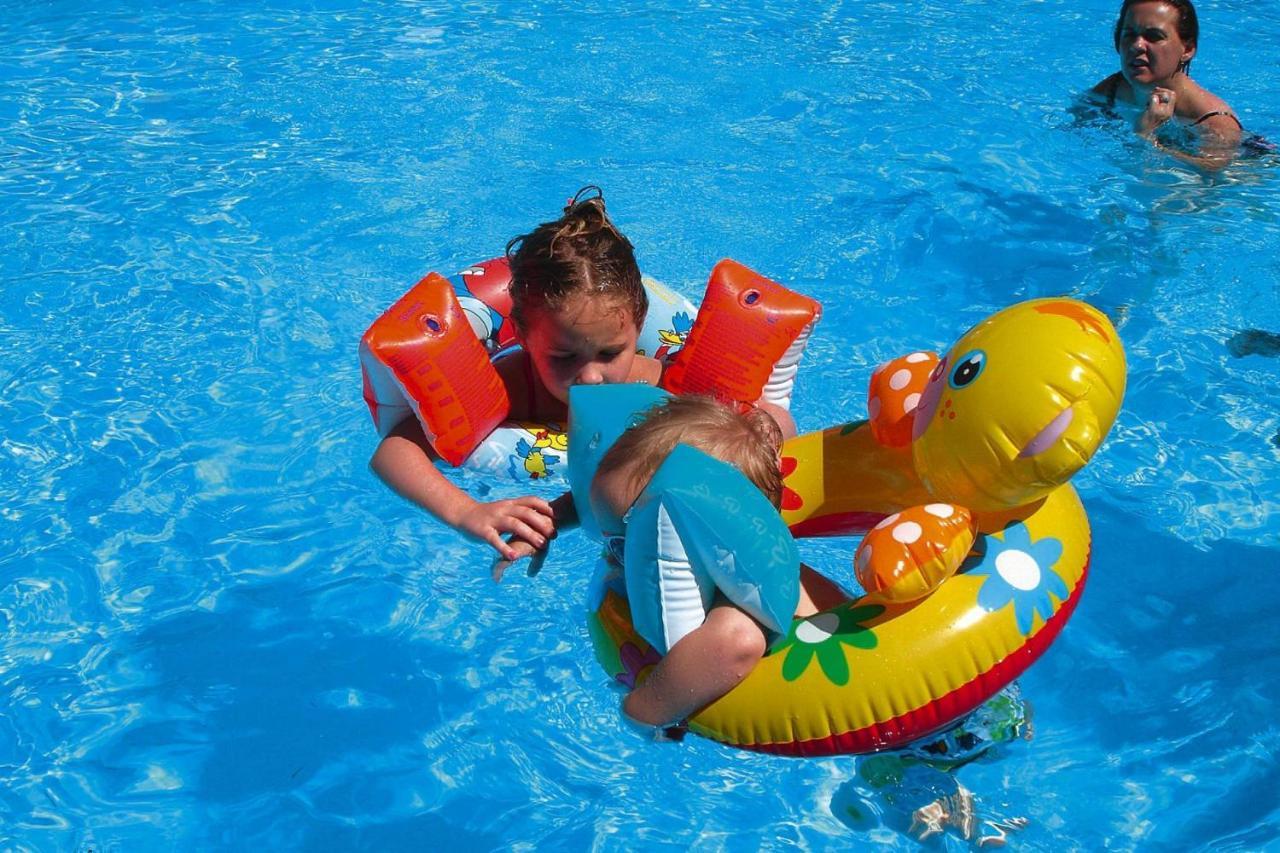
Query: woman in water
x=1156, y=41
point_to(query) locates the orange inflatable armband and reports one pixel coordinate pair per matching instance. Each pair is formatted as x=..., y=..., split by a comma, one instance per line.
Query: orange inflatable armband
x=894, y=394
x=747, y=340
x=908, y=554
x=422, y=356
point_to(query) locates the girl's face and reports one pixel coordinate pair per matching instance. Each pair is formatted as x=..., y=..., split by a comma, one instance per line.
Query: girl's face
x=1150, y=49
x=584, y=340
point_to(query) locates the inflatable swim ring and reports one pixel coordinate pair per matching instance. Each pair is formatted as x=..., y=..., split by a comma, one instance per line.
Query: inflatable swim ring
x=977, y=547
x=431, y=355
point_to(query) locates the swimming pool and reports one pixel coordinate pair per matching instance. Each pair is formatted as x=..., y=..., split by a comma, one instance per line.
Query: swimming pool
x=219, y=631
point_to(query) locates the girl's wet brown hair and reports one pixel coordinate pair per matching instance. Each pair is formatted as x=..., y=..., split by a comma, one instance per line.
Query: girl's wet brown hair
x=582, y=252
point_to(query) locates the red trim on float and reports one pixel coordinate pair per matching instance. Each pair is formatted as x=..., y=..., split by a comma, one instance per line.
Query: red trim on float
x=837, y=524
x=942, y=712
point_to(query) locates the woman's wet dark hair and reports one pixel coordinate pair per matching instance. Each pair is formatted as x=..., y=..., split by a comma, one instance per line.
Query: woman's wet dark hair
x=581, y=252
x=1188, y=24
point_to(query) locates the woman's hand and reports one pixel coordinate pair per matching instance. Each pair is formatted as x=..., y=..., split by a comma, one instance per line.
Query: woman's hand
x=1160, y=107
x=527, y=519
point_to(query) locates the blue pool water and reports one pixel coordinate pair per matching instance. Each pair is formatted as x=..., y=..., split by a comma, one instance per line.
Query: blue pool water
x=218, y=631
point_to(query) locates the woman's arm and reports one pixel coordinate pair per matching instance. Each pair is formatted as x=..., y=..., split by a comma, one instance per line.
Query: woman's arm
x=1213, y=122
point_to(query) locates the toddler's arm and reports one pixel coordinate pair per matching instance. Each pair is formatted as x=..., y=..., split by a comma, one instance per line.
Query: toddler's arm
x=701, y=667
x=403, y=461
x=564, y=516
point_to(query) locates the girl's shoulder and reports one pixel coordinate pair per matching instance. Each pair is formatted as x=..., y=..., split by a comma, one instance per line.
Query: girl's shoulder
x=645, y=369
x=516, y=373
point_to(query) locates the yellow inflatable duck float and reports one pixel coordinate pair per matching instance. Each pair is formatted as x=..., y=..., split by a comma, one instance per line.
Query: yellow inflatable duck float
x=1010, y=413
x=976, y=547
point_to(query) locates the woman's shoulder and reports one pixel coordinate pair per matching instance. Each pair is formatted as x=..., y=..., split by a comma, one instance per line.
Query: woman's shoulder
x=1195, y=101
x=1113, y=88
x=1207, y=111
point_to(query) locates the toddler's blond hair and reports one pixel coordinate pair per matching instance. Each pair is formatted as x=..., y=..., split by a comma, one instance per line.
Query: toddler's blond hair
x=750, y=441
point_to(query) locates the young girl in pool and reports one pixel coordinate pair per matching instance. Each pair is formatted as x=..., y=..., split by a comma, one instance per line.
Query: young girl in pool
x=578, y=304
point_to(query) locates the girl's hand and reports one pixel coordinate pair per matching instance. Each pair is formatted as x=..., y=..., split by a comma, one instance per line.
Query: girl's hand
x=564, y=516
x=522, y=549
x=527, y=519
x=1160, y=107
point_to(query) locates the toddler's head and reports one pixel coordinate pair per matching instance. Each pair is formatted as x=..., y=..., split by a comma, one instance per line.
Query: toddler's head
x=750, y=441
x=576, y=297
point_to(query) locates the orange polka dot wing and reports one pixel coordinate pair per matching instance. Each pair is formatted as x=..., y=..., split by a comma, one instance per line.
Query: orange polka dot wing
x=908, y=554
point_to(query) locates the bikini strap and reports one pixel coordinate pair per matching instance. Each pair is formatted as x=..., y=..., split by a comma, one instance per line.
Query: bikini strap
x=1111, y=91
x=1213, y=113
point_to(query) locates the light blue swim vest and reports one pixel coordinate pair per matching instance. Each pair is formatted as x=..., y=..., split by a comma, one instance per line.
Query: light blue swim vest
x=699, y=527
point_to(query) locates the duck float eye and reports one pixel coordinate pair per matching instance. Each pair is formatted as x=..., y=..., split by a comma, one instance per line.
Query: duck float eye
x=968, y=368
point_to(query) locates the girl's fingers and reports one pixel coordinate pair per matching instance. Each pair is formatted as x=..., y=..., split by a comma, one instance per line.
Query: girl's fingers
x=537, y=521
x=520, y=530
x=494, y=538
x=535, y=503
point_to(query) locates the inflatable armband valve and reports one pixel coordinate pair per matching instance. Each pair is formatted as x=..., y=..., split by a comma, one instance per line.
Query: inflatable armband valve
x=907, y=555
x=422, y=356
x=733, y=537
x=598, y=416
x=893, y=395
x=748, y=337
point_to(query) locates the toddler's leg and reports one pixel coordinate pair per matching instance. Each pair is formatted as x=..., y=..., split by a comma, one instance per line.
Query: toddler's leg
x=704, y=665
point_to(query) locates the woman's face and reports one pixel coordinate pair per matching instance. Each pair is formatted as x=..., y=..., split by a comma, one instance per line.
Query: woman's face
x=1150, y=49
x=582, y=341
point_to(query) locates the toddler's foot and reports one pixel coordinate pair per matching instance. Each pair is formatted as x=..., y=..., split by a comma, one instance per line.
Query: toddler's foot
x=952, y=810
x=959, y=810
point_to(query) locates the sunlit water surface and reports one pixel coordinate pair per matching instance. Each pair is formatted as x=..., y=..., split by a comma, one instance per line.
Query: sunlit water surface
x=218, y=630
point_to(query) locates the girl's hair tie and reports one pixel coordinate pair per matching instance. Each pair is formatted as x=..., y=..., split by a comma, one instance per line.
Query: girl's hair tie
x=578, y=197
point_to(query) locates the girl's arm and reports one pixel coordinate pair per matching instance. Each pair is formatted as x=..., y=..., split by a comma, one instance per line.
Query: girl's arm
x=404, y=461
